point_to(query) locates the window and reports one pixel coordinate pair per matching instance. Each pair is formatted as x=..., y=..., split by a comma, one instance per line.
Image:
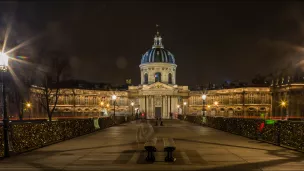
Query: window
x=158, y=77
x=170, y=78
x=238, y=99
x=251, y=99
x=66, y=99
x=230, y=99
x=221, y=99
x=86, y=100
x=146, y=78
x=78, y=100
x=94, y=101
x=263, y=98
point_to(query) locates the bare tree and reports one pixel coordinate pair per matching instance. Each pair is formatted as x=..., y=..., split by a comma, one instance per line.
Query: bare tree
x=74, y=100
x=51, y=78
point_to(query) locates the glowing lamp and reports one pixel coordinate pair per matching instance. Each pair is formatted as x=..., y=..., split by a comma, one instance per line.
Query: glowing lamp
x=204, y=96
x=3, y=61
x=114, y=97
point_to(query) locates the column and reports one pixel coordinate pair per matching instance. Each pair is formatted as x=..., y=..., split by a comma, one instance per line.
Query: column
x=153, y=107
x=170, y=105
x=145, y=104
x=167, y=106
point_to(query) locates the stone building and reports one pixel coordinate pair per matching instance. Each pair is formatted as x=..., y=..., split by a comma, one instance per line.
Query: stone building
x=233, y=102
x=158, y=95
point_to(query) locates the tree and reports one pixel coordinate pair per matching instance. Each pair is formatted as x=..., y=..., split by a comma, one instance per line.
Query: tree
x=56, y=63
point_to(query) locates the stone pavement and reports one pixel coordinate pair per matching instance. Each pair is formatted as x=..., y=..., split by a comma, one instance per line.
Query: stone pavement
x=198, y=148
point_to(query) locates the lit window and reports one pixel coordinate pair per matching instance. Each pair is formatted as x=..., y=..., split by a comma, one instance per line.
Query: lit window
x=251, y=98
x=86, y=100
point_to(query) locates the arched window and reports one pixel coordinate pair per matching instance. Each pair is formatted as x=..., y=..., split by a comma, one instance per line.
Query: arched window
x=146, y=78
x=158, y=77
x=170, y=78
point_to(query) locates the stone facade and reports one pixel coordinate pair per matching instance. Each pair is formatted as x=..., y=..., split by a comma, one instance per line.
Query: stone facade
x=83, y=103
x=292, y=95
x=158, y=95
x=234, y=102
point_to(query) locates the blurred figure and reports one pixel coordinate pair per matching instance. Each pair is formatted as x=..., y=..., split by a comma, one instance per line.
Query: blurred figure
x=145, y=132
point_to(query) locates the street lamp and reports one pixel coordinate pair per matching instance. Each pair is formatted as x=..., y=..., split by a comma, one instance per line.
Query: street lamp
x=132, y=104
x=28, y=106
x=185, y=103
x=204, y=96
x=114, y=99
x=3, y=69
x=283, y=105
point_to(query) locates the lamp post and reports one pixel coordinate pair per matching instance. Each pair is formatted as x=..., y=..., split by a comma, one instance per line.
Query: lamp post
x=3, y=69
x=283, y=105
x=132, y=104
x=28, y=106
x=185, y=103
x=204, y=96
x=114, y=102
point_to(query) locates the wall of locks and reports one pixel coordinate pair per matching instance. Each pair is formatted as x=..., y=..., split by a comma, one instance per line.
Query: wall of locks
x=283, y=133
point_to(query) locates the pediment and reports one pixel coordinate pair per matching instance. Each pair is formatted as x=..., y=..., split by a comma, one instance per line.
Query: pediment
x=159, y=86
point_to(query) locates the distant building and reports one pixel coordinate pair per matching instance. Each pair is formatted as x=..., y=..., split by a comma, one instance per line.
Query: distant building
x=158, y=94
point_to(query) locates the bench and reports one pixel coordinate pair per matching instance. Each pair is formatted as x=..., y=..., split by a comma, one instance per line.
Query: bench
x=150, y=147
x=169, y=147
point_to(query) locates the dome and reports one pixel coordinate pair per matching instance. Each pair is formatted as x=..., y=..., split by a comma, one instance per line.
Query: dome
x=158, y=53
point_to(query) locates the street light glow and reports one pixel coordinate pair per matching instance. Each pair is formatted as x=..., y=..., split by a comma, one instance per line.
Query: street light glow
x=185, y=103
x=3, y=61
x=28, y=105
x=114, y=97
x=101, y=103
x=283, y=103
x=204, y=96
x=178, y=106
x=216, y=103
x=132, y=103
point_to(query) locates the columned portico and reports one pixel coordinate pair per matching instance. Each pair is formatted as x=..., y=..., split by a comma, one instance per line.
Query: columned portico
x=160, y=98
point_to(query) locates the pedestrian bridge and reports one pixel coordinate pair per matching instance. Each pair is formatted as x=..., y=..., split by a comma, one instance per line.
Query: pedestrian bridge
x=197, y=148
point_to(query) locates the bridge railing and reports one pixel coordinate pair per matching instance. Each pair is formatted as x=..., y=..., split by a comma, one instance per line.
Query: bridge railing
x=284, y=133
x=25, y=136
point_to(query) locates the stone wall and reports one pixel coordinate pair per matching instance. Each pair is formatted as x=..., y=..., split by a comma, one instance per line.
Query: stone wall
x=28, y=136
x=283, y=133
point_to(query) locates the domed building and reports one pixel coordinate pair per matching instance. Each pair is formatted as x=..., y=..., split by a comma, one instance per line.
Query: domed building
x=158, y=95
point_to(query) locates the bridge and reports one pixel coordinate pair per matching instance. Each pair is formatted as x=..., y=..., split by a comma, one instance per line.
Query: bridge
x=197, y=148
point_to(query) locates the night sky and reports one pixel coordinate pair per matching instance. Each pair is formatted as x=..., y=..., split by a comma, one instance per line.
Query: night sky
x=212, y=42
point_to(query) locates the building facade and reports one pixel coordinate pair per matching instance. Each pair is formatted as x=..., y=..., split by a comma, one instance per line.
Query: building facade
x=158, y=95
x=234, y=102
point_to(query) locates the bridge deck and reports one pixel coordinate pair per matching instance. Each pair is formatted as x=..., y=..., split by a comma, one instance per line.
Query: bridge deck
x=198, y=148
